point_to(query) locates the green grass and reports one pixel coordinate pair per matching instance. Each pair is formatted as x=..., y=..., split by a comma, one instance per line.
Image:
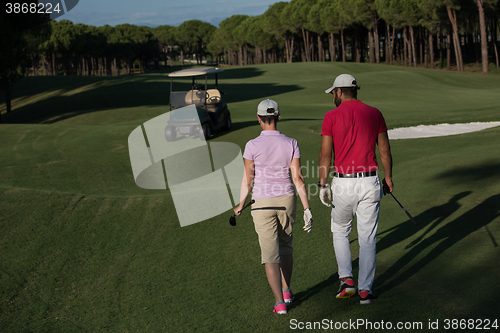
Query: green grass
x=82, y=248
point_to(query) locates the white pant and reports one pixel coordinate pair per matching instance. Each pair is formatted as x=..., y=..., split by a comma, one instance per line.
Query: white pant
x=360, y=196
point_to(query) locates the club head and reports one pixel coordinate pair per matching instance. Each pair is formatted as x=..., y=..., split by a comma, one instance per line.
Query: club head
x=232, y=220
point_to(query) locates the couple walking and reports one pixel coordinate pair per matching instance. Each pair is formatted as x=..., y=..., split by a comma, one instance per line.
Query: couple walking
x=350, y=134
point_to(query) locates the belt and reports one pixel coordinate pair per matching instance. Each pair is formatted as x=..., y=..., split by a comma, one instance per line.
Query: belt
x=355, y=175
x=271, y=208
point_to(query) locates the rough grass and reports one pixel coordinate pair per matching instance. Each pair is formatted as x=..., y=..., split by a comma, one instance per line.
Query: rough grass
x=84, y=249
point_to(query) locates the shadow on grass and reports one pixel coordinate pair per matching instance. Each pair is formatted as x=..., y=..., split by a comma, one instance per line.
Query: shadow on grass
x=243, y=124
x=431, y=218
x=486, y=170
x=439, y=237
x=303, y=296
x=114, y=94
x=240, y=73
x=57, y=98
x=442, y=239
x=447, y=235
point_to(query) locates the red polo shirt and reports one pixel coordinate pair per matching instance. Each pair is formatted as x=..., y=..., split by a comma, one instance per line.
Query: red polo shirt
x=354, y=128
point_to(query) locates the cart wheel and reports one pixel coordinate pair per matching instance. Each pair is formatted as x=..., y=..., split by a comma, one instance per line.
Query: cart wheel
x=228, y=124
x=205, y=131
x=170, y=133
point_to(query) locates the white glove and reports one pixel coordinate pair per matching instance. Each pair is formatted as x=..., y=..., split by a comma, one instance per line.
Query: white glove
x=325, y=195
x=308, y=220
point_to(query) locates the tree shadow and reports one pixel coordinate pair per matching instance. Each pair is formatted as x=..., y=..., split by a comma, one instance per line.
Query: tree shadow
x=243, y=124
x=240, y=73
x=70, y=98
x=240, y=92
x=486, y=170
x=443, y=239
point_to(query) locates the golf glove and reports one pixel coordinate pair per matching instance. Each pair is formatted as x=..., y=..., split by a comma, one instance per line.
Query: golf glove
x=325, y=195
x=308, y=220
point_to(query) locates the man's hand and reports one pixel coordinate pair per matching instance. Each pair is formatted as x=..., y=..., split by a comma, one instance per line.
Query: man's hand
x=308, y=220
x=387, y=186
x=325, y=195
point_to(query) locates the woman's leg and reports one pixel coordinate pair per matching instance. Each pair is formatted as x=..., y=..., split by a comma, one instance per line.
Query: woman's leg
x=286, y=219
x=279, y=276
x=286, y=266
x=273, y=274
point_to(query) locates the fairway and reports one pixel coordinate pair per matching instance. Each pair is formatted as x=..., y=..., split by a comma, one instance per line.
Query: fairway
x=83, y=249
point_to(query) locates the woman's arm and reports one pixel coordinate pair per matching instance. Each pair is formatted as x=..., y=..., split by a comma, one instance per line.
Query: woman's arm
x=246, y=184
x=298, y=181
x=300, y=185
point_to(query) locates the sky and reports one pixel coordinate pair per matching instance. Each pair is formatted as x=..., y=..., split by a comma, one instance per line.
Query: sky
x=161, y=12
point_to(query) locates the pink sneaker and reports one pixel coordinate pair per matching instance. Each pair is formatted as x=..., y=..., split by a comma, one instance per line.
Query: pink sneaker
x=280, y=308
x=288, y=296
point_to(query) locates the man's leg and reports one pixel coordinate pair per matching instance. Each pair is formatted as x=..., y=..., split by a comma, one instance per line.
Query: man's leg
x=344, y=206
x=367, y=221
x=367, y=237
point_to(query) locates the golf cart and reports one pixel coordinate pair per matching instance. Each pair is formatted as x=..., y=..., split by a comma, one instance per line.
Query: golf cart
x=212, y=113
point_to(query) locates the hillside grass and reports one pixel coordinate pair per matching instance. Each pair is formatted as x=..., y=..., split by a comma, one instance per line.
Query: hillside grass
x=82, y=248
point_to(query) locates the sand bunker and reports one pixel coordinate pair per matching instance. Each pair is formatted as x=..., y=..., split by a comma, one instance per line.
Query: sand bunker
x=428, y=131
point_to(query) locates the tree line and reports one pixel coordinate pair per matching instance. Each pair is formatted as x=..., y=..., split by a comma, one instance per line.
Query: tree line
x=33, y=44
x=79, y=49
x=415, y=33
x=409, y=32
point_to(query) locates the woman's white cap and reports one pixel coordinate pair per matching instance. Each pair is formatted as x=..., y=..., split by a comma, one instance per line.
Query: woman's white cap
x=268, y=107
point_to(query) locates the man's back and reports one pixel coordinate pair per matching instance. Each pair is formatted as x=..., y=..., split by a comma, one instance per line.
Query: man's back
x=354, y=128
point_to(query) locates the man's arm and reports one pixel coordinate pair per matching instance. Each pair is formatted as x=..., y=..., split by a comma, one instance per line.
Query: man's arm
x=384, y=149
x=325, y=158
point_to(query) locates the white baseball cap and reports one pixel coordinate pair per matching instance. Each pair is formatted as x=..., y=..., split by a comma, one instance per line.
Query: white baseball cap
x=343, y=81
x=268, y=107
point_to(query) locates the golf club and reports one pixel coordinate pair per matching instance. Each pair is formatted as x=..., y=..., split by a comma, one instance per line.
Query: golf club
x=409, y=215
x=232, y=219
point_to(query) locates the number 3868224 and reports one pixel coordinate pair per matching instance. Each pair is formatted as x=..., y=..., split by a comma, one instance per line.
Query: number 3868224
x=32, y=8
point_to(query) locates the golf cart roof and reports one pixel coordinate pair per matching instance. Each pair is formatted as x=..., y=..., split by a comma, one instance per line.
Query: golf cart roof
x=195, y=71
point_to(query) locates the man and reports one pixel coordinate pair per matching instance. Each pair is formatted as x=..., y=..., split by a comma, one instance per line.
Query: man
x=352, y=131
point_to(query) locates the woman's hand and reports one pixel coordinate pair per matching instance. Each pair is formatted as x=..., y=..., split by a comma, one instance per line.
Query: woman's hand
x=308, y=220
x=237, y=210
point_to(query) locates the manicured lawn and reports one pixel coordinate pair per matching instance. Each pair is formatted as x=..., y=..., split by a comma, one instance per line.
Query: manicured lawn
x=83, y=249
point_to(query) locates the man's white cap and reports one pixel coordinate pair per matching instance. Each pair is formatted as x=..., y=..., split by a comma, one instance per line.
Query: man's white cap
x=343, y=81
x=268, y=107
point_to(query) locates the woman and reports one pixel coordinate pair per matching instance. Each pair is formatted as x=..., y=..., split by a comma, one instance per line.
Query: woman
x=269, y=159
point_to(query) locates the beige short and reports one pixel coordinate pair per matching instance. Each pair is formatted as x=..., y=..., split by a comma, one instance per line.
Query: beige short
x=274, y=226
